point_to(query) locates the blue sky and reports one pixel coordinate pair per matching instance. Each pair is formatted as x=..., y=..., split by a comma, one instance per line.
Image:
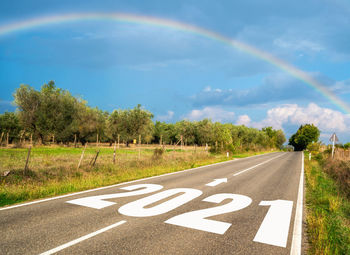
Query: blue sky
x=179, y=75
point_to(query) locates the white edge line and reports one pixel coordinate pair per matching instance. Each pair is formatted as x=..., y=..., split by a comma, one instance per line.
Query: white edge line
x=83, y=238
x=297, y=230
x=119, y=184
x=250, y=168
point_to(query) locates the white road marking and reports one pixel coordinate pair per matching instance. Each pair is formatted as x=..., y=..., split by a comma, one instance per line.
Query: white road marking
x=216, y=182
x=297, y=232
x=97, y=202
x=137, y=208
x=83, y=238
x=275, y=227
x=250, y=168
x=119, y=184
x=197, y=219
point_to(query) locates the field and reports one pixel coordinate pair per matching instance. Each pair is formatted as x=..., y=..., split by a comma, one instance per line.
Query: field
x=53, y=170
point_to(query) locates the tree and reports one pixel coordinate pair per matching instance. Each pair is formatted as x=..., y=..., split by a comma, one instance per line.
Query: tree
x=9, y=123
x=187, y=130
x=28, y=101
x=164, y=131
x=88, y=123
x=204, y=132
x=115, y=124
x=280, y=138
x=48, y=112
x=346, y=146
x=130, y=124
x=304, y=136
x=276, y=137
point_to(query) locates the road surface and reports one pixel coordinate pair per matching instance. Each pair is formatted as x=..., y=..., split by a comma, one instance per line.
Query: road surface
x=245, y=206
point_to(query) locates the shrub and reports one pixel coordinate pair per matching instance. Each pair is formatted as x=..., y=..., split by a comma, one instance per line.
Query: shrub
x=158, y=153
x=340, y=171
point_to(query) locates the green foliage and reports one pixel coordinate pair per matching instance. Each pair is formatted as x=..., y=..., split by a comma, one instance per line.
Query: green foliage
x=53, y=112
x=304, y=136
x=277, y=137
x=9, y=123
x=164, y=133
x=129, y=124
x=347, y=146
x=314, y=146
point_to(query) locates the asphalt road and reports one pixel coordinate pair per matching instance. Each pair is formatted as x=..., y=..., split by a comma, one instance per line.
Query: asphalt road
x=189, y=212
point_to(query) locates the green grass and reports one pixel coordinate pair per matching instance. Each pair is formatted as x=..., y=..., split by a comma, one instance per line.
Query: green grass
x=328, y=212
x=53, y=170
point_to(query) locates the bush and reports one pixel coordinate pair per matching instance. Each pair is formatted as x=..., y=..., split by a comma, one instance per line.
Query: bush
x=158, y=153
x=319, y=157
x=314, y=147
x=339, y=170
x=231, y=148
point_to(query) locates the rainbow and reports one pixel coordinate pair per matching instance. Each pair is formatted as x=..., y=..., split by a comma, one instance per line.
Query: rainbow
x=166, y=23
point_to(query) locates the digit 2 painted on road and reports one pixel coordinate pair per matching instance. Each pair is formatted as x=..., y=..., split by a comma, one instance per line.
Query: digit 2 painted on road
x=196, y=219
x=97, y=202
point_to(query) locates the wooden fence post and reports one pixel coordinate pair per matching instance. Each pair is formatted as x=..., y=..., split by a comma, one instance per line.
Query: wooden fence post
x=75, y=140
x=118, y=140
x=139, y=147
x=98, y=152
x=27, y=161
x=2, y=134
x=82, y=156
x=181, y=141
x=114, y=154
x=7, y=139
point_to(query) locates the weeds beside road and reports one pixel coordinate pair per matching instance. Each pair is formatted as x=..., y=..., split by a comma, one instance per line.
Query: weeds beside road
x=327, y=207
x=53, y=170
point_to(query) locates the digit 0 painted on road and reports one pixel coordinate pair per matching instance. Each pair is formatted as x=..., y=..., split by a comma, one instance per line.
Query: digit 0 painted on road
x=137, y=208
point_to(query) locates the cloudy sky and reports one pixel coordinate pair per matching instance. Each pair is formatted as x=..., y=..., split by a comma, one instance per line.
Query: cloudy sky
x=177, y=74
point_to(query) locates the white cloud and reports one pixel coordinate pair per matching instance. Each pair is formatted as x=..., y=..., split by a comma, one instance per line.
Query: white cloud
x=299, y=45
x=341, y=87
x=243, y=120
x=166, y=117
x=324, y=118
x=207, y=89
x=213, y=113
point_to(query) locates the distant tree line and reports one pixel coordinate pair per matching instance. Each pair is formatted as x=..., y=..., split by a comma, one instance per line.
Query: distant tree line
x=53, y=114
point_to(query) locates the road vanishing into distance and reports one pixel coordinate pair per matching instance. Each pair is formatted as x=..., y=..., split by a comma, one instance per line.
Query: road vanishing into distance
x=246, y=206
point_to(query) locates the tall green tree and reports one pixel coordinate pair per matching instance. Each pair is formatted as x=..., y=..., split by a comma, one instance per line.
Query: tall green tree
x=305, y=135
x=131, y=123
x=204, y=132
x=46, y=113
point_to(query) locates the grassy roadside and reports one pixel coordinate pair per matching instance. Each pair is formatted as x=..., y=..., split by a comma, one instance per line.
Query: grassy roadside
x=53, y=173
x=327, y=212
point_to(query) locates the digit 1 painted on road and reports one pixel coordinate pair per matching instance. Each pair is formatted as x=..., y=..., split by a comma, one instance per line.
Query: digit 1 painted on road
x=137, y=208
x=275, y=226
x=97, y=202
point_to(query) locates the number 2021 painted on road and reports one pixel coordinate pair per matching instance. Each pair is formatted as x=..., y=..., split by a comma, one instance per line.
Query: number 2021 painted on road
x=273, y=230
